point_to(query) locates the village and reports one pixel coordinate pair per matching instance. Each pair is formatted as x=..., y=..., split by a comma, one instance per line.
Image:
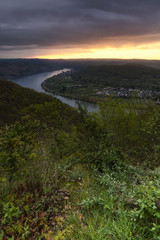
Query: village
x=129, y=92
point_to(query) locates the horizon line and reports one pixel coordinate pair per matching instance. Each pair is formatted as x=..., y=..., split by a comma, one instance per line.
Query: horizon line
x=126, y=59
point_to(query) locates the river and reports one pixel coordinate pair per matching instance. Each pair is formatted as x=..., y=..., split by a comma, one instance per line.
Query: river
x=34, y=82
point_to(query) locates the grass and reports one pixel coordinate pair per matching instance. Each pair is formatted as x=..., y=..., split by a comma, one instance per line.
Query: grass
x=96, y=214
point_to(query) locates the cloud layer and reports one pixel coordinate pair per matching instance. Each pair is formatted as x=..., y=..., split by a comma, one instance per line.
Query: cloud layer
x=42, y=24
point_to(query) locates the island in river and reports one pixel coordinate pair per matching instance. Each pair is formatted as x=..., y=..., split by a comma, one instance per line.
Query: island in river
x=94, y=83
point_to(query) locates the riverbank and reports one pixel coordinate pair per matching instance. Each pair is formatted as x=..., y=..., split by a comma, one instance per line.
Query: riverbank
x=64, y=85
x=94, y=99
x=94, y=84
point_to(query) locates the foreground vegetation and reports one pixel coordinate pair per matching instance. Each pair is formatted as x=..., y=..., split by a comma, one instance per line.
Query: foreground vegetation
x=66, y=174
x=92, y=83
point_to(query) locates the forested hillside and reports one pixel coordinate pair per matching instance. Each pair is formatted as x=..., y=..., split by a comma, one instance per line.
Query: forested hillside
x=14, y=98
x=67, y=174
x=13, y=70
x=127, y=75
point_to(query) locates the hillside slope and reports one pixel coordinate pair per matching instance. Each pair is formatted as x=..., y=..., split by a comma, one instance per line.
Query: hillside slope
x=14, y=98
x=13, y=70
x=128, y=75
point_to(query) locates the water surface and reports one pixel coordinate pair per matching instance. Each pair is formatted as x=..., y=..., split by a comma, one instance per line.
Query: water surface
x=34, y=82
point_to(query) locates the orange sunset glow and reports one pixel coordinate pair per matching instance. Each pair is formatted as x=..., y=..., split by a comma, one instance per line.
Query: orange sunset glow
x=118, y=49
x=123, y=53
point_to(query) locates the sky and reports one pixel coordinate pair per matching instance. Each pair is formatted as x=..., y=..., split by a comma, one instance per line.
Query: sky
x=80, y=29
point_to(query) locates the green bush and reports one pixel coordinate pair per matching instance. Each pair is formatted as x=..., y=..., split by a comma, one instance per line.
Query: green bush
x=17, y=142
x=147, y=207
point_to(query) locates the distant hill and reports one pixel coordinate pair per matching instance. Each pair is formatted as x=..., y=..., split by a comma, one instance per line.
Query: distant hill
x=14, y=68
x=127, y=76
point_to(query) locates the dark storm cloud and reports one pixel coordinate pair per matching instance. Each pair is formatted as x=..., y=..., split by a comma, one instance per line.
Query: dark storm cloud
x=41, y=23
